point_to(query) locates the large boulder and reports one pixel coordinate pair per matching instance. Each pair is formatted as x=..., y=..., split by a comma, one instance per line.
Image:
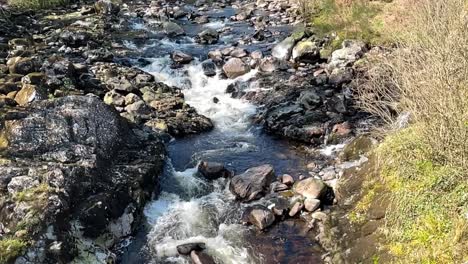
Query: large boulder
x=208, y=36
x=172, y=29
x=209, y=68
x=283, y=50
x=235, y=67
x=213, y=170
x=200, y=257
x=251, y=184
x=349, y=53
x=181, y=57
x=306, y=51
x=259, y=216
x=83, y=173
x=310, y=188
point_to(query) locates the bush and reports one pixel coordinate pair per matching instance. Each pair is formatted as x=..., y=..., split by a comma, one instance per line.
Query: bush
x=426, y=76
x=36, y=4
x=11, y=248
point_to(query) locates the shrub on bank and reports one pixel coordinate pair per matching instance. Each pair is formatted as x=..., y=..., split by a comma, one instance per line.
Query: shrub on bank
x=424, y=166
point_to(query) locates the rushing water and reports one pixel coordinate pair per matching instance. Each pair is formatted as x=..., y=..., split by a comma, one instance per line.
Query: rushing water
x=188, y=207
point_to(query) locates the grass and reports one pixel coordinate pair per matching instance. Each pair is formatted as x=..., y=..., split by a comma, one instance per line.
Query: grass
x=357, y=19
x=36, y=4
x=427, y=221
x=11, y=248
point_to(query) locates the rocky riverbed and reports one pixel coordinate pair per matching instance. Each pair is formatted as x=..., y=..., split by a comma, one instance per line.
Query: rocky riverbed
x=168, y=132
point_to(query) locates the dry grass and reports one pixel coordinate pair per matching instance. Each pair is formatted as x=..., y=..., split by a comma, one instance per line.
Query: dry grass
x=426, y=76
x=36, y=4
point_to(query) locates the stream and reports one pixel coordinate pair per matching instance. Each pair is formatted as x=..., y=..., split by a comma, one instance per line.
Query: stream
x=189, y=208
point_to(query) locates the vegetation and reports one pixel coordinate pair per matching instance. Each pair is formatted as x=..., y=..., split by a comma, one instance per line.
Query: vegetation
x=36, y=4
x=424, y=161
x=10, y=248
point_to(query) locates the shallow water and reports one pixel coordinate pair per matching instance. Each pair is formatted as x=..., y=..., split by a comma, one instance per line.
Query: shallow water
x=189, y=208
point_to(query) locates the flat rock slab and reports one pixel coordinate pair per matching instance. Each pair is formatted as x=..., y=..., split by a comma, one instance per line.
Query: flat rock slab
x=185, y=249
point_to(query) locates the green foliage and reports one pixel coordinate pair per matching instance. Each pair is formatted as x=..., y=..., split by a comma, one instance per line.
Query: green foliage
x=36, y=4
x=426, y=221
x=37, y=193
x=11, y=248
x=357, y=20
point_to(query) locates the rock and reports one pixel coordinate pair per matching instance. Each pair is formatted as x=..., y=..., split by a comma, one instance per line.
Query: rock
x=215, y=100
x=237, y=88
x=235, y=67
x=306, y=51
x=238, y=53
x=310, y=188
x=132, y=98
x=180, y=13
x=268, y=64
x=348, y=54
x=180, y=57
x=99, y=55
x=287, y=179
x=172, y=29
x=256, y=55
x=201, y=258
x=310, y=100
x=208, y=36
x=342, y=130
x=340, y=76
x=252, y=183
x=106, y=7
x=201, y=20
x=6, y=88
x=359, y=146
x=278, y=187
x=21, y=183
x=283, y=50
x=215, y=55
x=259, y=216
x=213, y=170
x=19, y=65
x=185, y=249
x=209, y=68
x=337, y=104
x=75, y=38
x=30, y=93
x=114, y=98
x=280, y=206
x=311, y=204
x=77, y=161
x=297, y=207
x=35, y=78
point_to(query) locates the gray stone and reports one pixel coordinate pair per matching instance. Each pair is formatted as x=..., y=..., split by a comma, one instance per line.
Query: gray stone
x=213, y=170
x=310, y=188
x=259, y=216
x=185, y=249
x=252, y=183
x=311, y=204
x=283, y=50
x=235, y=67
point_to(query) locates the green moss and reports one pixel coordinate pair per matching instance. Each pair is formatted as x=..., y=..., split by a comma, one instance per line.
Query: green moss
x=33, y=194
x=10, y=248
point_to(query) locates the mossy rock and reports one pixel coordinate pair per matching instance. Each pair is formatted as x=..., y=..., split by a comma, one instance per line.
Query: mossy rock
x=359, y=146
x=10, y=248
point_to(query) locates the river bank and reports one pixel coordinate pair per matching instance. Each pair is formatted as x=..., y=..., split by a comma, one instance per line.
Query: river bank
x=95, y=94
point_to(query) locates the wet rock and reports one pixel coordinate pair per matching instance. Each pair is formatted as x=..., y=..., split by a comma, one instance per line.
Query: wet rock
x=340, y=76
x=201, y=20
x=213, y=170
x=278, y=187
x=359, y=146
x=348, y=54
x=311, y=204
x=208, y=36
x=30, y=93
x=185, y=249
x=283, y=50
x=310, y=188
x=280, y=206
x=337, y=104
x=99, y=55
x=256, y=55
x=287, y=179
x=235, y=67
x=179, y=13
x=215, y=55
x=172, y=29
x=237, y=88
x=215, y=100
x=209, y=68
x=259, y=216
x=198, y=257
x=182, y=58
x=251, y=184
x=297, y=207
x=306, y=51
